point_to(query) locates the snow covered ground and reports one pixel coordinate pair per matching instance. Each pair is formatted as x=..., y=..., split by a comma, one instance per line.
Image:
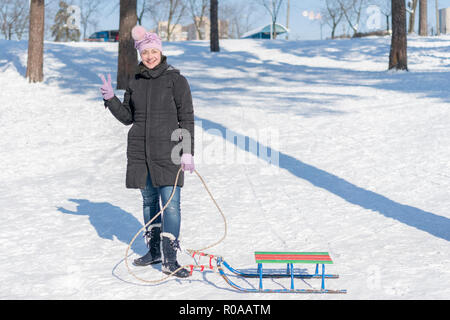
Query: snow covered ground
x=359, y=167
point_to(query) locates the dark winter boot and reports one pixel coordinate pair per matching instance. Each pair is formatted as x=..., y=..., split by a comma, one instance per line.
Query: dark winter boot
x=170, y=245
x=153, y=241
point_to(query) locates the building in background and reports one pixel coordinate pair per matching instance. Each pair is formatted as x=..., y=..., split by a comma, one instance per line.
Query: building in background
x=204, y=27
x=177, y=33
x=189, y=32
x=444, y=20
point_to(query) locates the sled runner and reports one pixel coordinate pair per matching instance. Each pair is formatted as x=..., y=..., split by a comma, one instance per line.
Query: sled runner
x=261, y=257
x=289, y=258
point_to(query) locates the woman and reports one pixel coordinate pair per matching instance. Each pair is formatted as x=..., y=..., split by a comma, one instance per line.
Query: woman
x=158, y=104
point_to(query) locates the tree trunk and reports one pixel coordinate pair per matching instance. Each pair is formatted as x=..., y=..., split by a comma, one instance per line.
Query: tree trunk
x=288, y=9
x=127, y=53
x=398, y=53
x=423, y=25
x=35, y=63
x=214, y=33
x=412, y=17
x=438, y=23
x=274, y=30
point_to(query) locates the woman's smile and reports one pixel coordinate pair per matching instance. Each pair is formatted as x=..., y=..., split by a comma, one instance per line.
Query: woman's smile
x=151, y=57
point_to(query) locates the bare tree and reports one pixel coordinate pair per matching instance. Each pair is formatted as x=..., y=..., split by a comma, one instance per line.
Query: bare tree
x=386, y=10
x=398, y=54
x=127, y=53
x=273, y=7
x=332, y=15
x=352, y=9
x=35, y=62
x=13, y=18
x=214, y=33
x=22, y=23
x=142, y=10
x=423, y=21
x=51, y=9
x=198, y=10
x=240, y=15
x=168, y=11
x=88, y=11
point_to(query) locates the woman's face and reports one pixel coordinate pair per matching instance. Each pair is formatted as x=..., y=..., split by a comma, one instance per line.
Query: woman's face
x=151, y=57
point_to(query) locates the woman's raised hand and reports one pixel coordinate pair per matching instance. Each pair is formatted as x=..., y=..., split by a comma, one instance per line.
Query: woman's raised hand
x=106, y=88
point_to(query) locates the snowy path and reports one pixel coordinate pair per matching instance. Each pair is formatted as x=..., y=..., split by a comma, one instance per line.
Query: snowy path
x=363, y=169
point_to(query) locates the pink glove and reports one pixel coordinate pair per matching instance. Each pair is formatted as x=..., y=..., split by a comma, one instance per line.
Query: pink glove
x=106, y=88
x=187, y=162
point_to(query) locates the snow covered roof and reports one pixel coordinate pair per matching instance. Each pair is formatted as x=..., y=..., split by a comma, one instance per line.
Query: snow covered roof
x=279, y=28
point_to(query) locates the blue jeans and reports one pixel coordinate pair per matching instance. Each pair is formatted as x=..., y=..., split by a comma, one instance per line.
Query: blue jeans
x=170, y=219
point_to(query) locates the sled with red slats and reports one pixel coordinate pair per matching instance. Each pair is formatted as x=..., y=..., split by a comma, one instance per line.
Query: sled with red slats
x=288, y=258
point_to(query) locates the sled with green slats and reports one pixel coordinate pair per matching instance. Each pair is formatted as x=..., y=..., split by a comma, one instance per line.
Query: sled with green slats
x=289, y=258
x=293, y=257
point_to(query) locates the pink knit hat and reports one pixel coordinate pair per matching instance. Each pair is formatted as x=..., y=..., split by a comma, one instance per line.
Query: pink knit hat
x=145, y=40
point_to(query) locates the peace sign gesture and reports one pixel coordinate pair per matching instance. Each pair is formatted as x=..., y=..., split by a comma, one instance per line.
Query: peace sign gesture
x=106, y=88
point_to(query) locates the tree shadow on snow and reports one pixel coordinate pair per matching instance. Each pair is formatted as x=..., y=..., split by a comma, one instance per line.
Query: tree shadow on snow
x=10, y=55
x=257, y=70
x=76, y=68
x=429, y=222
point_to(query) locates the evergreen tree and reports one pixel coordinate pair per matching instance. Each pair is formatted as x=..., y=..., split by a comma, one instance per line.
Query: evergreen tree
x=61, y=30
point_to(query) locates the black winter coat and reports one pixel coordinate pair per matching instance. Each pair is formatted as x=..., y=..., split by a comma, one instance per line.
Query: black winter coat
x=156, y=103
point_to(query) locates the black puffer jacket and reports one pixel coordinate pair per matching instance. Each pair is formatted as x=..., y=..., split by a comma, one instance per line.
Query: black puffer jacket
x=157, y=102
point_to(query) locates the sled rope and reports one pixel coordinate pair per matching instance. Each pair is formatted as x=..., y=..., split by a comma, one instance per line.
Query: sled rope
x=191, y=251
